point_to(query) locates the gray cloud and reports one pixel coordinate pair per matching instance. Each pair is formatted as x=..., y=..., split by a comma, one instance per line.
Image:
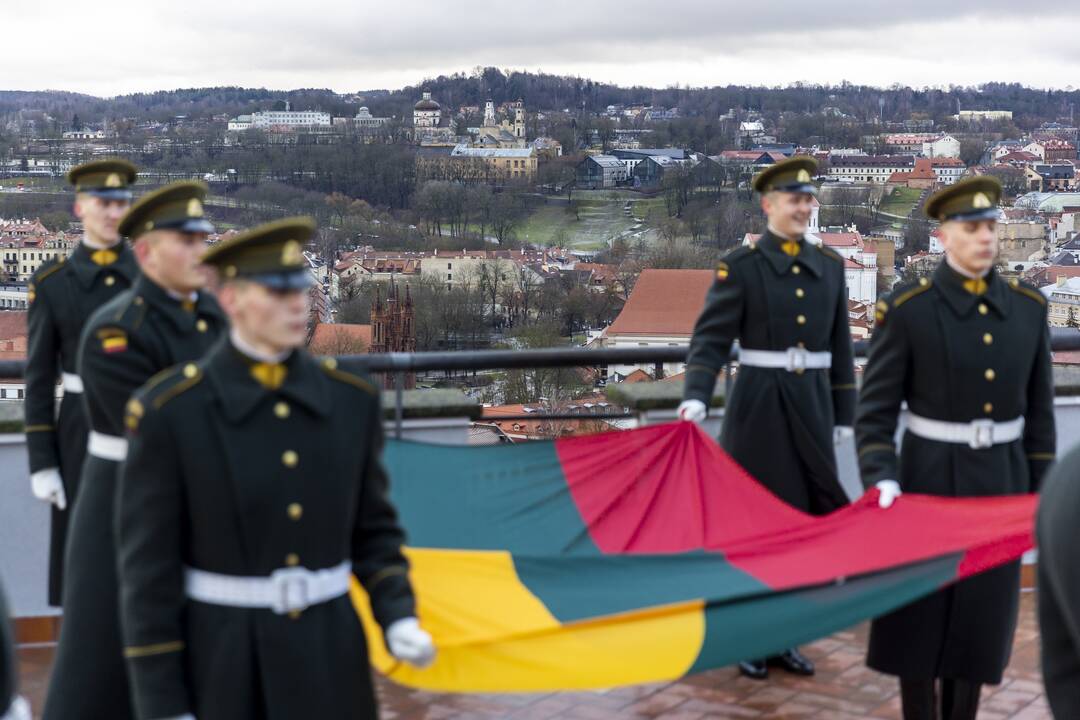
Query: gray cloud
x=350, y=46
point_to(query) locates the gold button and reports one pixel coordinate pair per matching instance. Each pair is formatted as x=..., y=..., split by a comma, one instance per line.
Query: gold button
x=289, y=458
x=281, y=410
x=201, y=325
x=190, y=370
x=330, y=363
x=983, y=309
x=796, y=269
x=923, y=281
x=138, y=300
x=110, y=281
x=799, y=292
x=988, y=339
x=801, y=319
x=296, y=511
x=292, y=559
x=988, y=408
x=989, y=374
x=294, y=614
x=1014, y=283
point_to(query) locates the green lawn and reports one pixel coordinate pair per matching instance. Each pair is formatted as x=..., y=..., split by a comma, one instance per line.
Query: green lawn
x=600, y=218
x=901, y=201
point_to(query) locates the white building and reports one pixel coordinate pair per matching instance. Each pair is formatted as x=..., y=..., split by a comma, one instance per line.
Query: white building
x=860, y=263
x=285, y=119
x=1036, y=148
x=1063, y=302
x=364, y=119
x=869, y=168
x=941, y=146
x=948, y=169
x=936, y=247
x=13, y=296
x=289, y=119
x=240, y=123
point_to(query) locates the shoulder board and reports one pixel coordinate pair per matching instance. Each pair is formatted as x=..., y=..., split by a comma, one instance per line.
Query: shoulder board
x=830, y=253
x=169, y=384
x=1027, y=290
x=329, y=366
x=48, y=268
x=130, y=312
x=739, y=253
x=903, y=294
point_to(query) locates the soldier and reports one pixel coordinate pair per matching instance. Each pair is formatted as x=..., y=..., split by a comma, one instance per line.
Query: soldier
x=162, y=320
x=784, y=298
x=62, y=295
x=253, y=490
x=1059, y=586
x=970, y=354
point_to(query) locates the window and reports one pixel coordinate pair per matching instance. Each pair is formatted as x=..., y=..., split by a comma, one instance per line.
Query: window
x=449, y=277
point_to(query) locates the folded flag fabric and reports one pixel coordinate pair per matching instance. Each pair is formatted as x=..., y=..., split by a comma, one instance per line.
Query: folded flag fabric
x=646, y=555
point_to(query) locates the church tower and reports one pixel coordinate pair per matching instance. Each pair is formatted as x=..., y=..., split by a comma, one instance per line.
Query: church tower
x=489, y=114
x=393, y=327
x=519, y=119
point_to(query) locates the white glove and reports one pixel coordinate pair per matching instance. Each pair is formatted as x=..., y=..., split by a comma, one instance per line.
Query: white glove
x=49, y=487
x=890, y=490
x=841, y=433
x=410, y=643
x=692, y=410
x=19, y=710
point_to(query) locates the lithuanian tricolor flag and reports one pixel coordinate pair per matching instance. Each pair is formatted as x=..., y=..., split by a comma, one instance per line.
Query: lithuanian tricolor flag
x=646, y=555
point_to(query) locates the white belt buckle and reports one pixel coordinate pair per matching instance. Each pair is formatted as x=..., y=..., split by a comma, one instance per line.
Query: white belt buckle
x=796, y=359
x=982, y=434
x=291, y=590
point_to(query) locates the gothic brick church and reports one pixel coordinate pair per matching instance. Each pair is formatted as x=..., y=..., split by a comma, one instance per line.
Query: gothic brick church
x=392, y=327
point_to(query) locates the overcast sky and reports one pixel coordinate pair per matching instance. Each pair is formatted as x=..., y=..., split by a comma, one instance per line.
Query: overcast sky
x=122, y=46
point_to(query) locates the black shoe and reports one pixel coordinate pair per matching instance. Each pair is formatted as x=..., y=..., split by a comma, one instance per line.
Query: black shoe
x=754, y=669
x=794, y=662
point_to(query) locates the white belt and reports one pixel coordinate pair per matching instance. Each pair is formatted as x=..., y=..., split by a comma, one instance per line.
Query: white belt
x=793, y=359
x=285, y=590
x=72, y=382
x=107, y=447
x=977, y=433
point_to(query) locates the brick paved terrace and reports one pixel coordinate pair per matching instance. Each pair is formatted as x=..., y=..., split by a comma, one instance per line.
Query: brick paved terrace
x=844, y=689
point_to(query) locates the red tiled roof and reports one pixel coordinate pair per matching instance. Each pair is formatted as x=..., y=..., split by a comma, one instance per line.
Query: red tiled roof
x=843, y=239
x=638, y=376
x=664, y=302
x=339, y=338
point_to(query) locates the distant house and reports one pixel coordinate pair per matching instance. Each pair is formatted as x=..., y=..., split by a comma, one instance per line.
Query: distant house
x=661, y=312
x=921, y=177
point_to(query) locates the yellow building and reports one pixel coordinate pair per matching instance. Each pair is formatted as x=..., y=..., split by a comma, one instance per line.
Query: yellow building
x=21, y=257
x=498, y=163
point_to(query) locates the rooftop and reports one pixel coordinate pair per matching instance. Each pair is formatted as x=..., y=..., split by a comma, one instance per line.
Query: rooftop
x=663, y=302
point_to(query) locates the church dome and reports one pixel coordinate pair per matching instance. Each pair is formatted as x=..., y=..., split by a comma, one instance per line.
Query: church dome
x=427, y=104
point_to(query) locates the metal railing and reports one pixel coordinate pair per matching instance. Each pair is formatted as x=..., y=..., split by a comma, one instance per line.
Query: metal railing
x=401, y=364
